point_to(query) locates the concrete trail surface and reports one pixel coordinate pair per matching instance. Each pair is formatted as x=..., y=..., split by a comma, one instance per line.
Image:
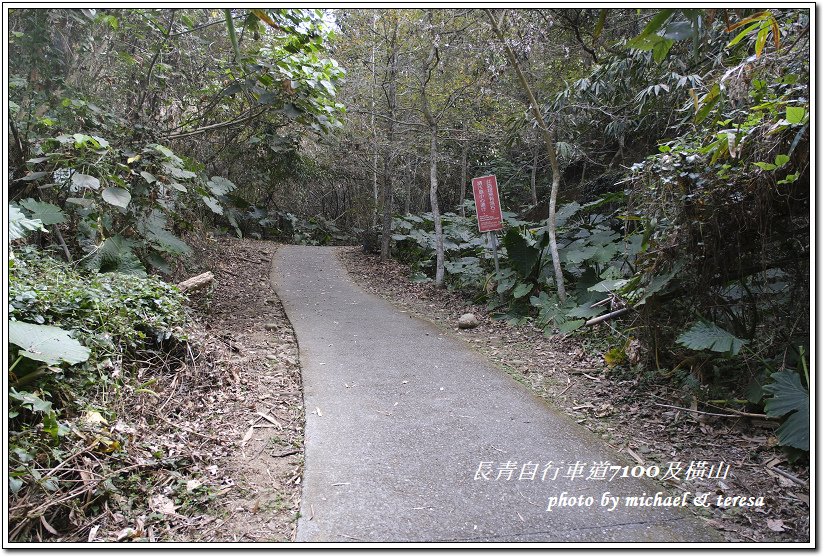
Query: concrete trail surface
x=400, y=418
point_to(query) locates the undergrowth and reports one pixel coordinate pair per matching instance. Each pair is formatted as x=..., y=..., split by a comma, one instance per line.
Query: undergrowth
x=74, y=448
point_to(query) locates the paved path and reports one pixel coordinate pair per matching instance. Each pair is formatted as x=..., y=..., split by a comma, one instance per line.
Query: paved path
x=400, y=416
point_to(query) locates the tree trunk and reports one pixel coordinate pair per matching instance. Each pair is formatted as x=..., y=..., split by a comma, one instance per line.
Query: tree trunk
x=407, y=201
x=464, y=150
x=534, y=174
x=553, y=158
x=389, y=172
x=386, y=199
x=428, y=68
x=374, y=133
x=433, y=199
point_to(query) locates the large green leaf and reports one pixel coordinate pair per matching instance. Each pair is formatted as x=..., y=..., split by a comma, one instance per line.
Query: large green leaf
x=168, y=153
x=564, y=212
x=46, y=343
x=213, y=204
x=148, y=176
x=523, y=257
x=20, y=225
x=31, y=177
x=158, y=262
x=522, y=290
x=703, y=335
x=661, y=49
x=179, y=173
x=85, y=181
x=44, y=212
x=790, y=397
x=657, y=21
x=31, y=400
x=220, y=186
x=117, y=197
x=115, y=256
x=586, y=311
x=795, y=114
x=578, y=252
x=154, y=230
x=569, y=326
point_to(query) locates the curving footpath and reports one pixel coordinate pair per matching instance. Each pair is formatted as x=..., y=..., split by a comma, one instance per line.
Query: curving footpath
x=411, y=436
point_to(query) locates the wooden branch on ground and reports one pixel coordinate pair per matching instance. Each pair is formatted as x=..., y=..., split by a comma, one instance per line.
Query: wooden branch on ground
x=196, y=283
x=787, y=475
x=606, y=316
x=735, y=413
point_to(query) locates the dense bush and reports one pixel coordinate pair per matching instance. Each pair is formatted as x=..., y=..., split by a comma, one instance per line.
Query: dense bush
x=124, y=322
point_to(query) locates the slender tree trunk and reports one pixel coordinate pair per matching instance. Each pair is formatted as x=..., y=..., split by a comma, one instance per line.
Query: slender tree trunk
x=553, y=158
x=407, y=201
x=534, y=174
x=429, y=66
x=464, y=150
x=374, y=134
x=388, y=187
x=433, y=199
x=389, y=172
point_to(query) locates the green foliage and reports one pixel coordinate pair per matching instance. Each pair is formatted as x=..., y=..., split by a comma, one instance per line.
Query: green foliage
x=591, y=251
x=113, y=314
x=132, y=197
x=523, y=257
x=314, y=231
x=117, y=322
x=115, y=255
x=790, y=398
x=467, y=262
x=118, y=161
x=703, y=335
x=20, y=225
x=46, y=213
x=45, y=343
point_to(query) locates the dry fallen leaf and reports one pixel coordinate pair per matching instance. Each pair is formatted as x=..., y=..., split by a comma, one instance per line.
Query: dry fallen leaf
x=126, y=533
x=785, y=482
x=775, y=525
x=162, y=504
x=93, y=418
x=248, y=436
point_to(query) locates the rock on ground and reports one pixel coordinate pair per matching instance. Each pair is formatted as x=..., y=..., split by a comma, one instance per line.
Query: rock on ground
x=468, y=321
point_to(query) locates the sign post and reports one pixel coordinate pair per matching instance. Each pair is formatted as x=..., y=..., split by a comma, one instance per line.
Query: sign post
x=488, y=208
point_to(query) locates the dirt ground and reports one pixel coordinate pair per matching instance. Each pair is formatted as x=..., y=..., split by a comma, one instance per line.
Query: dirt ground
x=640, y=417
x=256, y=414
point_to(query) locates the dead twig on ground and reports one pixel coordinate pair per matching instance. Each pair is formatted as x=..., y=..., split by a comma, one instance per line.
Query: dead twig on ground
x=735, y=414
x=187, y=429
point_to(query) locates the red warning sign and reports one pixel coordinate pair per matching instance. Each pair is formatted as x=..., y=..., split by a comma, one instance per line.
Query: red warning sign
x=487, y=203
